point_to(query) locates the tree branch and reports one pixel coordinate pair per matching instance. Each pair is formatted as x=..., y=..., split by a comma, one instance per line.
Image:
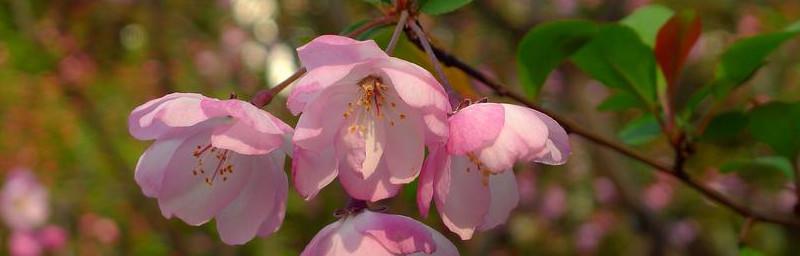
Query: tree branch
x=676, y=171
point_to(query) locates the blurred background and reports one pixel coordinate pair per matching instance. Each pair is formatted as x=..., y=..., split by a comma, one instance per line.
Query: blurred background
x=72, y=70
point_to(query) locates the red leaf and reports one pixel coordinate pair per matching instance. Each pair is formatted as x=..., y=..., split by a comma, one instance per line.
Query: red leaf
x=674, y=42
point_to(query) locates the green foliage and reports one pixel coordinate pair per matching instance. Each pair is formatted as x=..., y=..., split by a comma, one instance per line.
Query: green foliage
x=726, y=126
x=640, y=130
x=646, y=21
x=547, y=45
x=438, y=7
x=741, y=60
x=775, y=164
x=778, y=125
x=747, y=251
x=378, y=2
x=619, y=101
x=370, y=33
x=617, y=58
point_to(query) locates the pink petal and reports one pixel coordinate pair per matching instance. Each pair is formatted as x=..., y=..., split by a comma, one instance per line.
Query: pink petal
x=398, y=234
x=160, y=117
x=475, y=127
x=504, y=198
x=321, y=243
x=243, y=139
x=53, y=237
x=416, y=86
x=323, y=118
x=311, y=170
x=374, y=188
x=153, y=163
x=466, y=201
x=188, y=196
x=557, y=148
x=336, y=50
x=523, y=137
x=405, y=147
x=308, y=88
x=432, y=167
x=239, y=222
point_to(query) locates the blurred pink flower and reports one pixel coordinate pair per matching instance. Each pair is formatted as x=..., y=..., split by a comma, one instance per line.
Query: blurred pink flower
x=23, y=201
x=103, y=229
x=658, y=195
x=526, y=183
x=24, y=243
x=471, y=177
x=52, y=237
x=214, y=158
x=366, y=118
x=372, y=233
x=748, y=25
x=554, y=203
x=604, y=190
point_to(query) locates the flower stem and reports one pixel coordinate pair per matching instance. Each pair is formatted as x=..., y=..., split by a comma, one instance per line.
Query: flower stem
x=401, y=24
x=452, y=95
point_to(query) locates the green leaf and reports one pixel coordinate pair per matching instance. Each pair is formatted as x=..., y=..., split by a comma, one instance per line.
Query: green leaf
x=619, y=101
x=378, y=2
x=725, y=126
x=641, y=130
x=646, y=21
x=545, y=46
x=617, y=58
x=741, y=60
x=437, y=7
x=747, y=251
x=777, y=164
x=778, y=125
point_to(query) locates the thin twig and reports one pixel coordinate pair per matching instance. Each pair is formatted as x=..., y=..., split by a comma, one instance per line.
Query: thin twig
x=401, y=24
x=453, y=96
x=574, y=128
x=746, y=227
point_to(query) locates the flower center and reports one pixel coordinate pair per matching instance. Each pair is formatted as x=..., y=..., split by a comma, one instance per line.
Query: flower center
x=371, y=104
x=223, y=167
x=485, y=172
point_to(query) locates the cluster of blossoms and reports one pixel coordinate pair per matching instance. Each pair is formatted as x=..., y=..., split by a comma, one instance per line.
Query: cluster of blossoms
x=365, y=118
x=25, y=209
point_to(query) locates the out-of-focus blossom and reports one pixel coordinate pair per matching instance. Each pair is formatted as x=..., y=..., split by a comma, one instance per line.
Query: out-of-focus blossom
x=52, y=237
x=23, y=201
x=526, y=183
x=553, y=203
x=24, y=243
x=748, y=25
x=77, y=68
x=102, y=229
x=366, y=118
x=635, y=4
x=604, y=190
x=786, y=199
x=682, y=233
x=592, y=232
x=470, y=177
x=212, y=158
x=658, y=195
x=372, y=233
x=565, y=7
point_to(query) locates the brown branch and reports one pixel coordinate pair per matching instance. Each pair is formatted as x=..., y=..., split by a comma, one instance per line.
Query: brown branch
x=746, y=227
x=677, y=171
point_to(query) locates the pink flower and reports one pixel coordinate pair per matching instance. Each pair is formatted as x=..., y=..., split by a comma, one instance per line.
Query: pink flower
x=52, y=237
x=212, y=158
x=23, y=201
x=366, y=118
x=24, y=243
x=372, y=233
x=471, y=177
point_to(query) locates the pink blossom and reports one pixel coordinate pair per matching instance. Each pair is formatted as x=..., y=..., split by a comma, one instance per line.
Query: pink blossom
x=372, y=233
x=52, y=237
x=23, y=201
x=471, y=178
x=212, y=158
x=24, y=243
x=366, y=118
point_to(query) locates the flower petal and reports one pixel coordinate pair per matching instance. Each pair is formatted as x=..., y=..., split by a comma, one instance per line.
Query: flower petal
x=188, y=196
x=398, y=234
x=522, y=138
x=374, y=188
x=432, y=167
x=504, y=198
x=405, y=147
x=239, y=222
x=153, y=163
x=475, y=127
x=243, y=139
x=309, y=87
x=160, y=117
x=323, y=118
x=557, y=148
x=466, y=201
x=312, y=170
x=329, y=50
